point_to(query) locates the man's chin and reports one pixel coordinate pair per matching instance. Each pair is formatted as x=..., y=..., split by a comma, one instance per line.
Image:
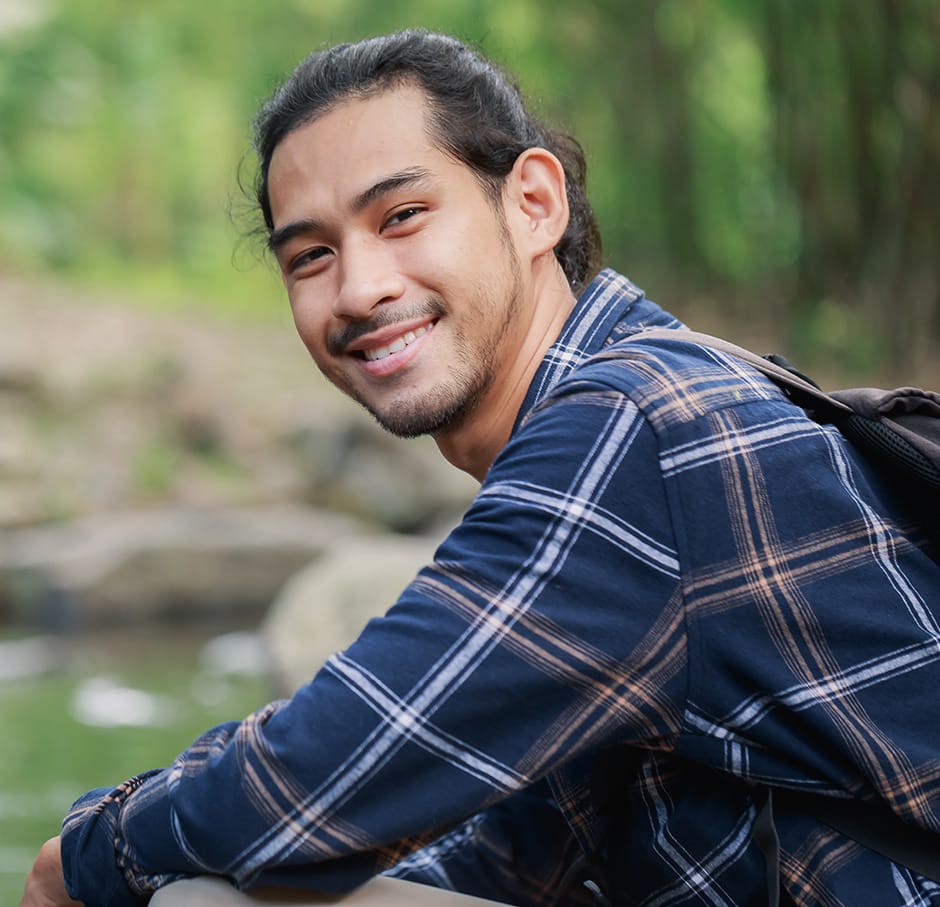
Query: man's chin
x=414, y=425
x=431, y=417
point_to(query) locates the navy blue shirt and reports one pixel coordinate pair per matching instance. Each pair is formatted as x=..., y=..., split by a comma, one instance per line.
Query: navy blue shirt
x=671, y=590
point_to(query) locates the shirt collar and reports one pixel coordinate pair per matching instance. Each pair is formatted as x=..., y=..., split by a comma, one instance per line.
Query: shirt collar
x=609, y=308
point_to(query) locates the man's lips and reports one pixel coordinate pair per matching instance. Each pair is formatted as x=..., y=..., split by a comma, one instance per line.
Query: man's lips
x=381, y=344
x=396, y=346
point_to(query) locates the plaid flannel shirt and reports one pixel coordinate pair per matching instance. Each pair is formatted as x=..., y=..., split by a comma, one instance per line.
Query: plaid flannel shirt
x=672, y=589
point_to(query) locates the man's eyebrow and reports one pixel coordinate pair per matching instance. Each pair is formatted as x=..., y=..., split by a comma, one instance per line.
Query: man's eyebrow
x=283, y=235
x=413, y=176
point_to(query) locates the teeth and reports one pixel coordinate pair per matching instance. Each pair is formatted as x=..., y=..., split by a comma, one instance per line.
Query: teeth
x=396, y=346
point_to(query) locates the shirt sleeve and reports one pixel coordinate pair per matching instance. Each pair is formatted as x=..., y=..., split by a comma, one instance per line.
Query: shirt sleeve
x=548, y=625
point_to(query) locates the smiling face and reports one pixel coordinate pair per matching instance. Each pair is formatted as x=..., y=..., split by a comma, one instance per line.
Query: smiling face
x=403, y=275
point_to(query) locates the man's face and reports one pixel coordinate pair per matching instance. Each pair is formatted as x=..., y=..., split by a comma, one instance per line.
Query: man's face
x=403, y=278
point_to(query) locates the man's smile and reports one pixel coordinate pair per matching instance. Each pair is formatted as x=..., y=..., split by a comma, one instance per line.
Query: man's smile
x=396, y=346
x=391, y=348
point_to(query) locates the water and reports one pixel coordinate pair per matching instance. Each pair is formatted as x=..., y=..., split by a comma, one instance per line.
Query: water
x=109, y=707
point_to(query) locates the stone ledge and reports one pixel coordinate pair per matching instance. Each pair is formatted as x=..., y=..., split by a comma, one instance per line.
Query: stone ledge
x=380, y=892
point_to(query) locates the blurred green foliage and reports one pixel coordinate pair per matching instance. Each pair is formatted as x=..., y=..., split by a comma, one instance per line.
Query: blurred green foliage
x=771, y=159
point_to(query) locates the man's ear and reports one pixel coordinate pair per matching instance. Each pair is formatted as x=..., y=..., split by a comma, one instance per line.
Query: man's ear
x=539, y=201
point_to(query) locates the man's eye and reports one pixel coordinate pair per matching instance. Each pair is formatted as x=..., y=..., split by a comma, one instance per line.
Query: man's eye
x=307, y=257
x=401, y=216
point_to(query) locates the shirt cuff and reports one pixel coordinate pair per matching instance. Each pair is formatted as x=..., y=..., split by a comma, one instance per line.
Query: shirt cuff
x=89, y=858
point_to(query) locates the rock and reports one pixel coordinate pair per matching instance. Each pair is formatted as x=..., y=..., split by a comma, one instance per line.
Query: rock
x=324, y=607
x=357, y=468
x=174, y=563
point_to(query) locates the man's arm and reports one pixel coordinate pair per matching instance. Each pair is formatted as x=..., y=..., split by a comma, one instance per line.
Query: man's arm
x=521, y=646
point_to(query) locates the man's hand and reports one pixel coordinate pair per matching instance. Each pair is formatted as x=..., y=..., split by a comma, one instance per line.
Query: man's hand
x=45, y=885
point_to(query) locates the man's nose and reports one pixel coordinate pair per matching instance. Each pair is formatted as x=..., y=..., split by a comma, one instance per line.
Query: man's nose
x=369, y=277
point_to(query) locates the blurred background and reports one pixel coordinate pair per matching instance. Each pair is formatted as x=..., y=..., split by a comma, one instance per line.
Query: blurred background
x=168, y=456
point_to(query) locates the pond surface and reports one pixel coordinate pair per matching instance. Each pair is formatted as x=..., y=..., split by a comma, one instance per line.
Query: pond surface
x=114, y=706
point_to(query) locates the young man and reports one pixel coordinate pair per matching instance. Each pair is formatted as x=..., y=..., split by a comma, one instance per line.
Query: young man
x=673, y=593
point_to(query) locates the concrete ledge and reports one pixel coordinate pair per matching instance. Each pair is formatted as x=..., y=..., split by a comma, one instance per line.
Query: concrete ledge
x=380, y=892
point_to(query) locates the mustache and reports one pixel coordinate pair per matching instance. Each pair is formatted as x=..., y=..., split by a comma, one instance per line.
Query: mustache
x=382, y=318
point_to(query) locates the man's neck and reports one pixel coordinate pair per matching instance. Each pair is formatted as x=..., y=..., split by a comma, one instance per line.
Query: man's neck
x=473, y=446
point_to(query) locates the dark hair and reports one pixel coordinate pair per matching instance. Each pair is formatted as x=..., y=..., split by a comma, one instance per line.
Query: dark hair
x=477, y=114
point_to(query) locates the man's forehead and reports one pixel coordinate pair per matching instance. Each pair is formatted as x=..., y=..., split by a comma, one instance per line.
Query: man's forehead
x=360, y=125
x=332, y=160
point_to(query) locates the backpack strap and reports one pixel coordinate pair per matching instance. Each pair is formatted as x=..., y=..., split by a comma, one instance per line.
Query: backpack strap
x=803, y=391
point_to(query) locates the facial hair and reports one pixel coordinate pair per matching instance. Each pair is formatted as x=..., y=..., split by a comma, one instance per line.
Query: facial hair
x=450, y=403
